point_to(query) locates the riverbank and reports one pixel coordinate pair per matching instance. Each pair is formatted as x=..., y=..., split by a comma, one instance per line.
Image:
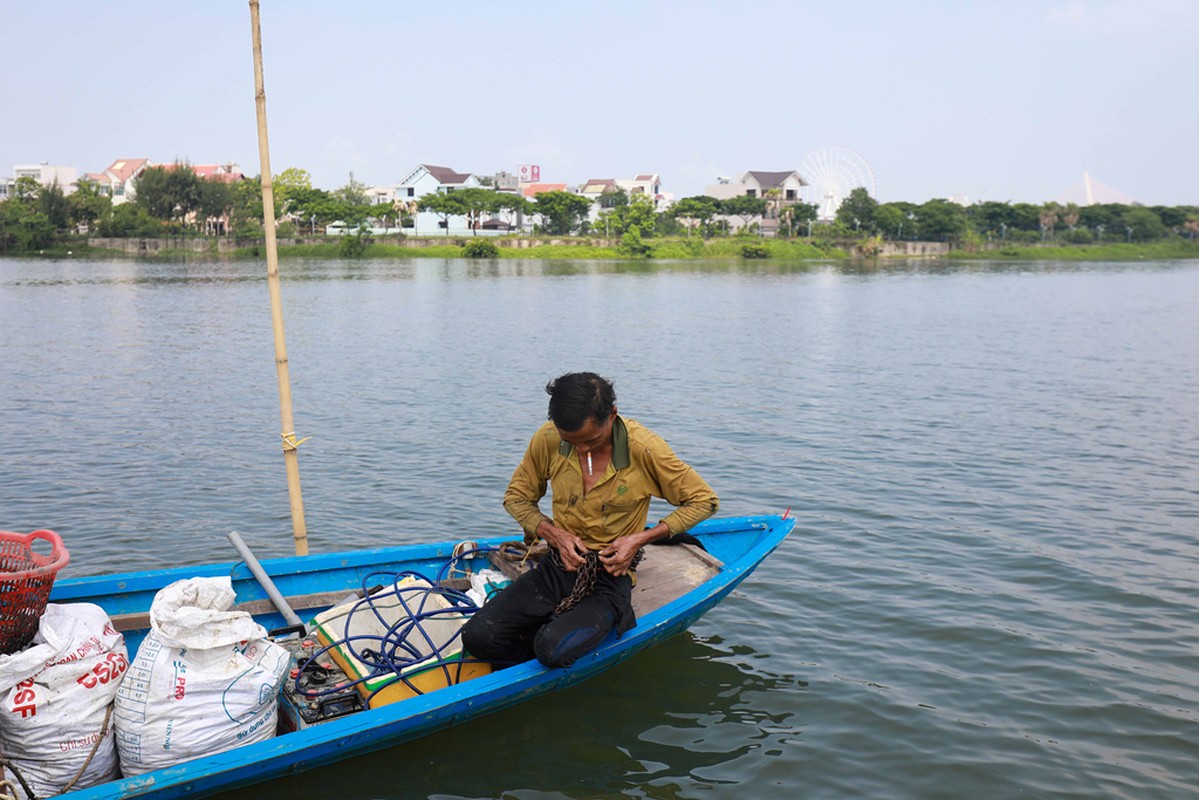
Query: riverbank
x=1121, y=251
x=519, y=247
x=584, y=248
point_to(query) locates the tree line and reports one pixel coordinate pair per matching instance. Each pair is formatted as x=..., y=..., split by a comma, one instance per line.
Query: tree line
x=942, y=220
x=174, y=200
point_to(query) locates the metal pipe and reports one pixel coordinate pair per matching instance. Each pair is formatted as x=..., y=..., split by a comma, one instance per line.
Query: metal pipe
x=264, y=580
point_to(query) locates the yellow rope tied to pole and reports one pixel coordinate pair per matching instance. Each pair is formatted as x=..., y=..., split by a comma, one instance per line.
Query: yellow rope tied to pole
x=290, y=442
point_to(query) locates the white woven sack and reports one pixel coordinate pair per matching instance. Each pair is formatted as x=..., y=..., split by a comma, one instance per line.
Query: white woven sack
x=57, y=694
x=205, y=680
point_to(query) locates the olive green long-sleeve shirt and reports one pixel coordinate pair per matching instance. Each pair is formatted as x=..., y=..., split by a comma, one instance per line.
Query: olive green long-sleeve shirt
x=642, y=466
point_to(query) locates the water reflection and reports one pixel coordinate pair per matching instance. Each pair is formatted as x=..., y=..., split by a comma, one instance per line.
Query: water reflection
x=686, y=716
x=83, y=272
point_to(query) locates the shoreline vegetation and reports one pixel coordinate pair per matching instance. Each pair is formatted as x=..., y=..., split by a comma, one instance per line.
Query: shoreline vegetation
x=584, y=248
x=175, y=213
x=1171, y=249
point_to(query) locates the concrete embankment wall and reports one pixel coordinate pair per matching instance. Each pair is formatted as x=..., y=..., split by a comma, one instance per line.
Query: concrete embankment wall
x=913, y=250
x=189, y=244
x=223, y=245
x=514, y=243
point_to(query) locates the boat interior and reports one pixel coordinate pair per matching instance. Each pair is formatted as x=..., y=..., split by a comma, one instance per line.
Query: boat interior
x=666, y=572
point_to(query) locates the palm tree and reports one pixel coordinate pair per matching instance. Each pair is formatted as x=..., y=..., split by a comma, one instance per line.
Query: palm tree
x=774, y=199
x=774, y=203
x=409, y=207
x=1048, y=216
x=1071, y=215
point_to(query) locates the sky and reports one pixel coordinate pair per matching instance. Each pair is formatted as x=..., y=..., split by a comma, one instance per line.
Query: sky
x=1011, y=100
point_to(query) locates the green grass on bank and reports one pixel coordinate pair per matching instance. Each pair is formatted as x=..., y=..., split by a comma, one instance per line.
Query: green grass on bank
x=1175, y=248
x=375, y=250
x=670, y=248
x=674, y=248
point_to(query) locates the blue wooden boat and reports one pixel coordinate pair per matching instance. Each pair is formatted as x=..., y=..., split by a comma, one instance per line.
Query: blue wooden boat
x=676, y=585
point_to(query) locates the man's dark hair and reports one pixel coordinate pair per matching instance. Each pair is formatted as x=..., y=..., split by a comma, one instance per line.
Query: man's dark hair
x=577, y=397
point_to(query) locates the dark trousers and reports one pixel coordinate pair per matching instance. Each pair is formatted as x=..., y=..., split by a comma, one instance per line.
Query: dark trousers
x=519, y=623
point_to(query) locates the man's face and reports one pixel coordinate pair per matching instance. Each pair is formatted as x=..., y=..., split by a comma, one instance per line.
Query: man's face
x=592, y=436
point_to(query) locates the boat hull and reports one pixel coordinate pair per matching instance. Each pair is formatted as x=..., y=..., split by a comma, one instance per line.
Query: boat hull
x=741, y=543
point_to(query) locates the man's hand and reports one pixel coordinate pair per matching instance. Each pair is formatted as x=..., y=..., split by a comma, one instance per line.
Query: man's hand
x=618, y=555
x=569, y=546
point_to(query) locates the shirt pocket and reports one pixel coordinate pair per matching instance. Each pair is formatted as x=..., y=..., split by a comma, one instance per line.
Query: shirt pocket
x=623, y=518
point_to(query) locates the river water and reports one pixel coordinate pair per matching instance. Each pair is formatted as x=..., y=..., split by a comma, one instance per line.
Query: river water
x=990, y=592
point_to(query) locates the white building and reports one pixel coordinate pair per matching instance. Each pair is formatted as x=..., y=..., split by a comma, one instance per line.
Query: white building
x=429, y=179
x=778, y=188
x=381, y=194
x=649, y=185
x=505, y=182
x=594, y=190
x=47, y=175
x=757, y=183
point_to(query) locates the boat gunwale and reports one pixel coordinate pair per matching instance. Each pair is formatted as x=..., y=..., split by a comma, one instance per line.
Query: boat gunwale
x=397, y=723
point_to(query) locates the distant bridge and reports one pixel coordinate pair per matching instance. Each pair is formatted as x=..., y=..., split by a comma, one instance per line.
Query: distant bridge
x=1089, y=192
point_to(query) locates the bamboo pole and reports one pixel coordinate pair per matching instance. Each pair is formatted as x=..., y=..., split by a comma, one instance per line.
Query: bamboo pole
x=290, y=453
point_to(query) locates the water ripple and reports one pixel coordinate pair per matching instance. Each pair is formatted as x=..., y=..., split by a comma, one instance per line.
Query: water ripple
x=995, y=472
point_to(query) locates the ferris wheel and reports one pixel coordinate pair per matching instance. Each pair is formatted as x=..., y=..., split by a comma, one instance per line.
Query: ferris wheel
x=831, y=174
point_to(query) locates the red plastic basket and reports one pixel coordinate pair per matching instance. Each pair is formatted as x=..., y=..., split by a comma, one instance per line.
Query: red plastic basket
x=26, y=578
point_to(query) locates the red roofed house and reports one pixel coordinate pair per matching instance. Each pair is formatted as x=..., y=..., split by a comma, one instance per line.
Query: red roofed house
x=534, y=189
x=225, y=173
x=219, y=173
x=119, y=178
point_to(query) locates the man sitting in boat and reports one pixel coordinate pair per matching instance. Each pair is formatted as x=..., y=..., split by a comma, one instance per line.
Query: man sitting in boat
x=603, y=469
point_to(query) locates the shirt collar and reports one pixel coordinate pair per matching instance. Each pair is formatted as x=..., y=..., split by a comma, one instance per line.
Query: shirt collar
x=620, y=445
